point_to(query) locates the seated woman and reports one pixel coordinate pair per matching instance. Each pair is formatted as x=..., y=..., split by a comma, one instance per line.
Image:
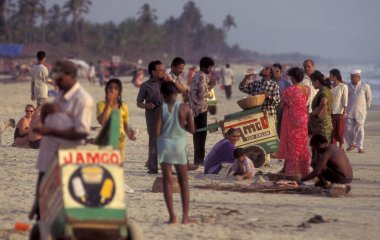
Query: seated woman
x=21, y=138
x=35, y=122
x=222, y=152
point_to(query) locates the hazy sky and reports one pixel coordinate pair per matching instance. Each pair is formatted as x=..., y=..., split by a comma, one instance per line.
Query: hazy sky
x=338, y=29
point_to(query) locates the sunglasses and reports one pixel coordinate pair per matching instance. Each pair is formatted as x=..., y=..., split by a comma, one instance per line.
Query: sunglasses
x=29, y=111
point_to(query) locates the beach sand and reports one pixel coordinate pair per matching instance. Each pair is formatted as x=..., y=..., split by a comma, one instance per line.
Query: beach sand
x=220, y=214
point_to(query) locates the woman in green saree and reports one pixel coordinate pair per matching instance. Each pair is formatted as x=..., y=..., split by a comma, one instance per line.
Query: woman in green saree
x=320, y=118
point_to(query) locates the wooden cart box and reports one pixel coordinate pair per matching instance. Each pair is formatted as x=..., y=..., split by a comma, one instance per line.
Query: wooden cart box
x=258, y=133
x=254, y=128
x=84, y=187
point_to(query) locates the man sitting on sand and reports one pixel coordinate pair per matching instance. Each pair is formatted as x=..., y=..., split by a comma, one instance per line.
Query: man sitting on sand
x=330, y=163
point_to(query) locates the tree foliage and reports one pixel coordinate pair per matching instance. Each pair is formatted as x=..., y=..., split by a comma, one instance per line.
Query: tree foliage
x=140, y=37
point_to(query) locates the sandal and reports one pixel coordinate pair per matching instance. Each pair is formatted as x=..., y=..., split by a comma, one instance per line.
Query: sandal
x=350, y=148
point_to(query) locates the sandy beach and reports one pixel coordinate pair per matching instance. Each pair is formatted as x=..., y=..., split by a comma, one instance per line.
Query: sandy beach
x=220, y=214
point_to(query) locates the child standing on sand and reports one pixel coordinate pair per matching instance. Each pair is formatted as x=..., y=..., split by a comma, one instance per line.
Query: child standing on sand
x=243, y=166
x=174, y=119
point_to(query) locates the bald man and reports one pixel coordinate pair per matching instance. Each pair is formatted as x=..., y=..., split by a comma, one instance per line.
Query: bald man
x=309, y=68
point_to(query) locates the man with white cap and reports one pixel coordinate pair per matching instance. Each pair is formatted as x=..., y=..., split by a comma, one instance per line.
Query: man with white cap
x=359, y=101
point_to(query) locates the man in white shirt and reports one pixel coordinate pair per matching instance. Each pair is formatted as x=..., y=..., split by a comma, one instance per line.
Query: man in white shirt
x=228, y=80
x=40, y=80
x=359, y=101
x=309, y=68
x=74, y=101
x=338, y=112
x=176, y=69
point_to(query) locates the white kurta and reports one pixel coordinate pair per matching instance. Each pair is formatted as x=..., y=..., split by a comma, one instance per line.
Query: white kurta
x=307, y=82
x=359, y=101
x=340, y=98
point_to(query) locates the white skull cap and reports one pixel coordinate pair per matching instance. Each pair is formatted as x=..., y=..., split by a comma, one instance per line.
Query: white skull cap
x=356, y=71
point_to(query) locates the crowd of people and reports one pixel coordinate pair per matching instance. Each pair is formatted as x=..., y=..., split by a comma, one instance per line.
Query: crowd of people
x=304, y=103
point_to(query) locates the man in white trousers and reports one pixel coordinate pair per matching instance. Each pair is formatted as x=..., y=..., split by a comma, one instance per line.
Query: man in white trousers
x=359, y=101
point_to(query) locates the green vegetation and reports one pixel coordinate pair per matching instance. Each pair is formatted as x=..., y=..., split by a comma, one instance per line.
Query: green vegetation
x=140, y=37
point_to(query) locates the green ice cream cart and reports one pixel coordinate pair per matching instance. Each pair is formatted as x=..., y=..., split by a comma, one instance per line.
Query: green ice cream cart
x=82, y=194
x=258, y=134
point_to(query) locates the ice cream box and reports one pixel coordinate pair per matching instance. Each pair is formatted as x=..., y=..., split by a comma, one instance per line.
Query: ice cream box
x=84, y=185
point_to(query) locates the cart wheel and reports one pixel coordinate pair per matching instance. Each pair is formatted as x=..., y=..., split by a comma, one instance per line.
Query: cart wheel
x=212, y=110
x=35, y=233
x=257, y=155
x=134, y=232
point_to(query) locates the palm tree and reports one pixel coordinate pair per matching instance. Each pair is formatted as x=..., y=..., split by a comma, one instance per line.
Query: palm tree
x=228, y=23
x=7, y=8
x=190, y=23
x=76, y=9
x=26, y=17
x=147, y=15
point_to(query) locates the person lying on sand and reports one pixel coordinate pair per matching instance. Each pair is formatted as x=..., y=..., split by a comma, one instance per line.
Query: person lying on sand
x=330, y=163
x=243, y=166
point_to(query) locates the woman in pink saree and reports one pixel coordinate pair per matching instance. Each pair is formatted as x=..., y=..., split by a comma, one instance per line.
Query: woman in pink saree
x=294, y=127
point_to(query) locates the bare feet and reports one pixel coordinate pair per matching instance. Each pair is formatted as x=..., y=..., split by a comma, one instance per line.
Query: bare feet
x=188, y=221
x=172, y=220
x=192, y=167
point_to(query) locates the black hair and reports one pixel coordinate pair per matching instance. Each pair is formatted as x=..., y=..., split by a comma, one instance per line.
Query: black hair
x=317, y=139
x=266, y=68
x=231, y=131
x=177, y=61
x=277, y=65
x=308, y=60
x=297, y=73
x=336, y=73
x=227, y=65
x=119, y=85
x=206, y=62
x=239, y=152
x=168, y=88
x=46, y=109
x=40, y=55
x=152, y=66
x=318, y=76
x=65, y=66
